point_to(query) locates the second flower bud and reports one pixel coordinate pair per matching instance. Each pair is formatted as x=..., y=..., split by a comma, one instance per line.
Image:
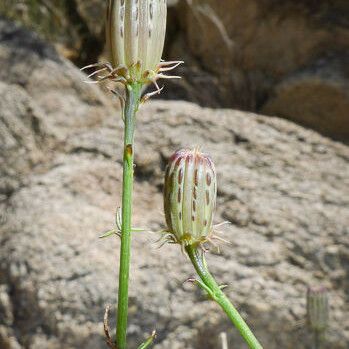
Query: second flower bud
x=190, y=196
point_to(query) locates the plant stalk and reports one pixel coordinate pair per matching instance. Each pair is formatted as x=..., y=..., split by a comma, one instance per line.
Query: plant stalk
x=133, y=93
x=318, y=339
x=198, y=260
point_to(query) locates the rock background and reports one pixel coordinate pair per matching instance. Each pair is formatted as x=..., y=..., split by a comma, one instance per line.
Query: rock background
x=284, y=188
x=281, y=58
x=285, y=58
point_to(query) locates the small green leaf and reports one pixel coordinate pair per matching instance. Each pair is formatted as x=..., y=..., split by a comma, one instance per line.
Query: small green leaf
x=138, y=230
x=108, y=233
x=204, y=287
x=148, y=342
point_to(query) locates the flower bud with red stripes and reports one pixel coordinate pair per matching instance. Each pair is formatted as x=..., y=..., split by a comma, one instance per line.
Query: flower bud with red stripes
x=135, y=35
x=190, y=197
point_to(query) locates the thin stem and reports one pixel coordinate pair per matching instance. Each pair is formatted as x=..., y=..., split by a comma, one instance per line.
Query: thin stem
x=198, y=260
x=133, y=93
x=318, y=339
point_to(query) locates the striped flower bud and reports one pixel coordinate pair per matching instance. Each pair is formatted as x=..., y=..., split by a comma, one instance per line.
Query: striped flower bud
x=135, y=31
x=190, y=196
x=317, y=308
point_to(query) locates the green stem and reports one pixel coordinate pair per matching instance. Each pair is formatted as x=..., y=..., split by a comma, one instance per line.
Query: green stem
x=198, y=260
x=318, y=339
x=133, y=93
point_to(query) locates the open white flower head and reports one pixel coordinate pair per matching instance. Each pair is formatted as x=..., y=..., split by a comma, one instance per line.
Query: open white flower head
x=135, y=33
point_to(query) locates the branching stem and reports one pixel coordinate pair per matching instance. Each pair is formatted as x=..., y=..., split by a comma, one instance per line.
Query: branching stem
x=197, y=258
x=133, y=94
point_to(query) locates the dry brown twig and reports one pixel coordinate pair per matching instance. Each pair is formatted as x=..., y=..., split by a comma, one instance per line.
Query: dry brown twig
x=109, y=339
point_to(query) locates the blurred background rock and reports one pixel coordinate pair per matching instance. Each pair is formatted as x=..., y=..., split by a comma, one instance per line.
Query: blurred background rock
x=285, y=58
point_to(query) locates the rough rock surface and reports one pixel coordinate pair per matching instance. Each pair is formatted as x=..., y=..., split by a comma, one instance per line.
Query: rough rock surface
x=317, y=96
x=284, y=188
x=244, y=49
x=42, y=83
x=285, y=58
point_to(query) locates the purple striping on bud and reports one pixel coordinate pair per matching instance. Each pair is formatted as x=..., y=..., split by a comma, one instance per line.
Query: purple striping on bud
x=190, y=196
x=135, y=32
x=317, y=308
x=135, y=35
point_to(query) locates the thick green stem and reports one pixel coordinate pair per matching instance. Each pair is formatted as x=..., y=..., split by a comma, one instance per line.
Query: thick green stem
x=318, y=339
x=133, y=93
x=198, y=260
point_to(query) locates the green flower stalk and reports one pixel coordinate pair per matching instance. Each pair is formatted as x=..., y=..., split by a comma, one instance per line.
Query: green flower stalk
x=317, y=313
x=133, y=94
x=189, y=203
x=135, y=34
